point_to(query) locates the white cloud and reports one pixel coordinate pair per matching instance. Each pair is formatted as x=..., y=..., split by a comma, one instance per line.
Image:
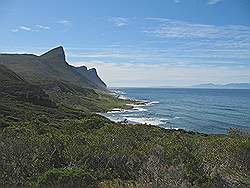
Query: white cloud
x=64, y=22
x=141, y=74
x=43, y=27
x=177, y=1
x=212, y=2
x=199, y=36
x=25, y=28
x=14, y=30
x=173, y=53
x=30, y=29
x=167, y=28
x=119, y=21
x=188, y=52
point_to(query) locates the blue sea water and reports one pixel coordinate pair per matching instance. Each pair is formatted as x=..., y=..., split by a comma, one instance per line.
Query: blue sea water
x=202, y=110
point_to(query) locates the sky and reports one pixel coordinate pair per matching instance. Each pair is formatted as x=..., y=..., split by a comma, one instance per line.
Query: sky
x=137, y=43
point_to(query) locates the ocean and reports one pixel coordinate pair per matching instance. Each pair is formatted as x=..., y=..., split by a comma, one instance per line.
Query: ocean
x=202, y=110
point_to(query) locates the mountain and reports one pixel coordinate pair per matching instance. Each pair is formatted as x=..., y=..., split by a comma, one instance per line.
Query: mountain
x=237, y=86
x=51, y=66
x=49, y=80
x=226, y=86
x=209, y=85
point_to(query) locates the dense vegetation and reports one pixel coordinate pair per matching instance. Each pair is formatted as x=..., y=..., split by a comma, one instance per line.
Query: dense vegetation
x=91, y=151
x=51, y=137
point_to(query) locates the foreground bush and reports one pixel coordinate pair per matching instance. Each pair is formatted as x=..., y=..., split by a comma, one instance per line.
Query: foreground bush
x=65, y=178
x=92, y=151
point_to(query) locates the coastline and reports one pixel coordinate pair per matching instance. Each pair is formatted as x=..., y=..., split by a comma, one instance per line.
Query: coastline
x=133, y=106
x=184, y=109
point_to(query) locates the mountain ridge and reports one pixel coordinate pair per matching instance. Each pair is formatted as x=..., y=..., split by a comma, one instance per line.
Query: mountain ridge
x=51, y=66
x=56, y=53
x=223, y=86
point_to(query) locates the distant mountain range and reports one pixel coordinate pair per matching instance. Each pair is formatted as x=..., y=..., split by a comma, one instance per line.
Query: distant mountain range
x=226, y=86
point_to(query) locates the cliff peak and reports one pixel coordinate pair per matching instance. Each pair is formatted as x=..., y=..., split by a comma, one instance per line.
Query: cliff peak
x=56, y=54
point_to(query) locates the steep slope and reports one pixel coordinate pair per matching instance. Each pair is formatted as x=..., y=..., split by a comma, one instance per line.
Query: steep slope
x=51, y=66
x=13, y=86
x=91, y=74
x=7, y=75
x=56, y=55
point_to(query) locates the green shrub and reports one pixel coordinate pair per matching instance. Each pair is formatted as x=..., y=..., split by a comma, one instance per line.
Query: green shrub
x=65, y=177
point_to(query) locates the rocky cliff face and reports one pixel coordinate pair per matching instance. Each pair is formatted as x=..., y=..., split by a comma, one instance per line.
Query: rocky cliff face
x=51, y=66
x=92, y=75
x=56, y=55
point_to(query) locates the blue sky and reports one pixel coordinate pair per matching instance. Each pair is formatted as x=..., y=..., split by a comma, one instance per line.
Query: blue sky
x=137, y=42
